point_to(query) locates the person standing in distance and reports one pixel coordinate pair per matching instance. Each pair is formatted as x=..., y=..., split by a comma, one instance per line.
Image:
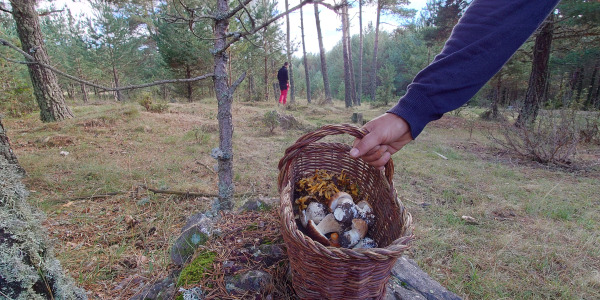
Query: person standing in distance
x=284, y=82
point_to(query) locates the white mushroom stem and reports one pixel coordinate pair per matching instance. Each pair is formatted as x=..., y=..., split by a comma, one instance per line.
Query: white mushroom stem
x=352, y=236
x=327, y=225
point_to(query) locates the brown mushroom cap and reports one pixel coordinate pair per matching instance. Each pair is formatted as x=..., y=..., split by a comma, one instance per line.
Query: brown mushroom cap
x=315, y=234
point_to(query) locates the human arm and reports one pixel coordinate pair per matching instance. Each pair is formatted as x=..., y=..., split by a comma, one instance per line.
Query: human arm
x=485, y=38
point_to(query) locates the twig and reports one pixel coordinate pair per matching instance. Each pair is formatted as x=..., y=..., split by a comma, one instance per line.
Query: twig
x=440, y=155
x=180, y=193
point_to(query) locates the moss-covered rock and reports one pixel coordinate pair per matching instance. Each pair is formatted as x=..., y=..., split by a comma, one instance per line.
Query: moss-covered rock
x=197, y=269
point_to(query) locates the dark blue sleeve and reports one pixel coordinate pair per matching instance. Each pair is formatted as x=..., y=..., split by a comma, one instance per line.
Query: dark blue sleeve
x=487, y=35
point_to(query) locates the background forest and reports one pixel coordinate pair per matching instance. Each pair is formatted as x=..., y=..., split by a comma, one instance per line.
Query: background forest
x=137, y=81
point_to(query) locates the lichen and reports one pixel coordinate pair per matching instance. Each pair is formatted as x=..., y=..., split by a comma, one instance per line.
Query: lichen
x=195, y=271
x=28, y=267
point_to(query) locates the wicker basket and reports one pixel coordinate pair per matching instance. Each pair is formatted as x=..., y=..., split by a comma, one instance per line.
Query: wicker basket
x=320, y=272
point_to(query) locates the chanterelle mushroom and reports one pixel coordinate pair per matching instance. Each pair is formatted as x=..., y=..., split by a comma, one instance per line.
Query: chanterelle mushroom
x=352, y=236
x=327, y=225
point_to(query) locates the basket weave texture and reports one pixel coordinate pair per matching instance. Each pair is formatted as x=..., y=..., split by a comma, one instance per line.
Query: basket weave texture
x=320, y=272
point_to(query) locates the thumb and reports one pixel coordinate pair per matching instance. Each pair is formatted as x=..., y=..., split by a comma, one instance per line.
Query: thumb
x=364, y=145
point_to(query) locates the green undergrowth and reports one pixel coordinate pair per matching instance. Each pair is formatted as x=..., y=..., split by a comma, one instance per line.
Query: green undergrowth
x=195, y=271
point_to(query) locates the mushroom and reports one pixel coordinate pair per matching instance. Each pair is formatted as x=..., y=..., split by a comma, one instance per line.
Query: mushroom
x=335, y=200
x=335, y=239
x=365, y=212
x=345, y=211
x=315, y=211
x=366, y=243
x=327, y=225
x=352, y=236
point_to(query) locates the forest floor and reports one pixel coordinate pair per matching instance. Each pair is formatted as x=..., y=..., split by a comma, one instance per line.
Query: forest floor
x=538, y=227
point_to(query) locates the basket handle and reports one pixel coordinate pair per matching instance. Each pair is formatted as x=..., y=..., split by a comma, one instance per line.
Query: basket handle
x=322, y=132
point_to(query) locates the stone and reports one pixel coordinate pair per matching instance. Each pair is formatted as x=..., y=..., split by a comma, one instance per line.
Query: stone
x=162, y=290
x=196, y=232
x=253, y=205
x=408, y=281
x=269, y=254
x=253, y=280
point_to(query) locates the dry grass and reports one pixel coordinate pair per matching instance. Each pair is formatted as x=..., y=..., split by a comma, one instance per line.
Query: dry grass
x=538, y=234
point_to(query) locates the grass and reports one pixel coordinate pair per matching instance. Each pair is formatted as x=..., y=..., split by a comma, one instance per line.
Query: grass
x=538, y=232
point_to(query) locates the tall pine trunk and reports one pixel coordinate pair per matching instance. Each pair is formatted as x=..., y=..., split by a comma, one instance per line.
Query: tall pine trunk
x=347, y=74
x=346, y=15
x=375, y=48
x=323, y=58
x=289, y=55
x=118, y=94
x=48, y=93
x=360, y=53
x=305, y=59
x=224, y=154
x=538, y=79
x=189, y=86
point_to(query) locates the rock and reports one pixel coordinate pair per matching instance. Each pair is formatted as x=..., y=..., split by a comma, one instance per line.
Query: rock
x=409, y=281
x=253, y=205
x=162, y=290
x=269, y=254
x=194, y=293
x=196, y=232
x=254, y=280
x=395, y=291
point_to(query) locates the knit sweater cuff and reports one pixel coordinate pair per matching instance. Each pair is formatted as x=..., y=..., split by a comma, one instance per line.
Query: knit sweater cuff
x=417, y=110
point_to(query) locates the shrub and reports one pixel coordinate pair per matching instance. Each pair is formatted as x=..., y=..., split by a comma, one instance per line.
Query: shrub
x=271, y=120
x=146, y=102
x=552, y=139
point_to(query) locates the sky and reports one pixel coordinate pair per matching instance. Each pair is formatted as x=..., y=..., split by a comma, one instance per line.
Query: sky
x=330, y=22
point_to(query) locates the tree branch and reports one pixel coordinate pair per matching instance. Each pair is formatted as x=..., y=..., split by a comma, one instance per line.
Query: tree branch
x=273, y=19
x=49, y=12
x=236, y=83
x=31, y=60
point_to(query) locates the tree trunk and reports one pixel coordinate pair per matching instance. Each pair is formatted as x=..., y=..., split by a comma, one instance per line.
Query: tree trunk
x=189, y=86
x=360, y=53
x=347, y=75
x=305, y=59
x=29, y=269
x=266, y=75
x=6, y=150
x=118, y=94
x=589, y=104
x=346, y=15
x=224, y=154
x=375, y=46
x=323, y=58
x=538, y=80
x=48, y=93
x=289, y=55
x=496, y=99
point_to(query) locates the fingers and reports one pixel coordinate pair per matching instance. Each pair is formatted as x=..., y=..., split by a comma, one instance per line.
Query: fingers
x=375, y=153
x=364, y=145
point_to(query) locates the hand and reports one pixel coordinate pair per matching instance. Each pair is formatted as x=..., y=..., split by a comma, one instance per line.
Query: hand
x=388, y=133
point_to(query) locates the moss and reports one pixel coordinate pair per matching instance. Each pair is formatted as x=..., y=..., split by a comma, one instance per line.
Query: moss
x=197, y=269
